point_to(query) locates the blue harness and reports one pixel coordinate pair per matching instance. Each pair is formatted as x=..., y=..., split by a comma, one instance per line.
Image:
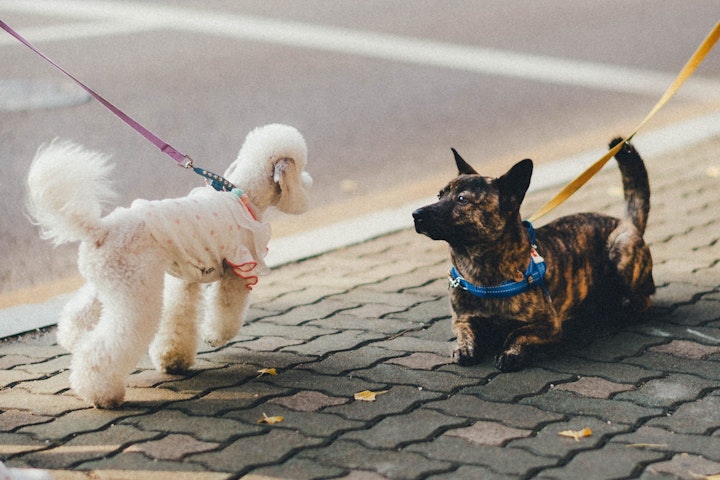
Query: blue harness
x=533, y=276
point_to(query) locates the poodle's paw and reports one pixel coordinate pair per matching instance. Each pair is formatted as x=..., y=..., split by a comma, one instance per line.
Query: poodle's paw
x=217, y=339
x=172, y=362
x=98, y=391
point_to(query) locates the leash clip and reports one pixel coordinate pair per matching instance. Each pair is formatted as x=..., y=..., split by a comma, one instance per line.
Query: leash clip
x=189, y=163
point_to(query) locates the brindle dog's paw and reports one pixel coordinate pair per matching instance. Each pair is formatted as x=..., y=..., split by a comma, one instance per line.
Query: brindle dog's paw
x=465, y=356
x=509, y=361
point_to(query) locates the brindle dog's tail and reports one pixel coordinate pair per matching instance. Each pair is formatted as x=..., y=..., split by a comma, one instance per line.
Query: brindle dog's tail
x=635, y=184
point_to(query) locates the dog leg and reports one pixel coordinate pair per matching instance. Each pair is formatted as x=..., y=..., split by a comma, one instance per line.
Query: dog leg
x=465, y=352
x=174, y=347
x=104, y=357
x=633, y=262
x=540, y=332
x=79, y=316
x=227, y=303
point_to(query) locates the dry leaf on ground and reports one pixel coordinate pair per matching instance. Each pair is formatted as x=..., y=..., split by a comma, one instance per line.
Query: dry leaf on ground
x=715, y=476
x=368, y=396
x=266, y=371
x=576, y=434
x=270, y=420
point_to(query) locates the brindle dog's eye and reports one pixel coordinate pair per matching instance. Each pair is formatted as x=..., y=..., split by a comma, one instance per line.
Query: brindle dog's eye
x=462, y=199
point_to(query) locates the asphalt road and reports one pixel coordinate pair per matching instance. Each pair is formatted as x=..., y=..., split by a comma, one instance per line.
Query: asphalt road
x=380, y=89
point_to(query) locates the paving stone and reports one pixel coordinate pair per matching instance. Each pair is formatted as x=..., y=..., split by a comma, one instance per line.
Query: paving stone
x=469, y=472
x=18, y=443
x=88, y=446
x=312, y=424
x=427, y=311
x=12, y=419
x=662, y=440
x=364, y=319
x=665, y=392
x=11, y=377
x=134, y=465
x=56, y=383
x=697, y=313
x=78, y=421
x=204, y=428
x=51, y=405
x=138, y=475
x=687, y=349
x=609, y=410
x=510, y=414
x=334, y=386
x=459, y=451
x=257, y=450
x=172, y=447
x=394, y=431
x=618, y=346
x=436, y=381
x=618, y=372
x=595, y=464
x=420, y=361
x=333, y=342
x=488, y=433
x=595, y=387
x=306, y=401
x=682, y=466
x=398, y=399
x=695, y=417
x=220, y=401
x=548, y=443
x=411, y=344
x=9, y=361
x=509, y=386
x=358, y=358
x=269, y=343
x=391, y=464
x=301, y=469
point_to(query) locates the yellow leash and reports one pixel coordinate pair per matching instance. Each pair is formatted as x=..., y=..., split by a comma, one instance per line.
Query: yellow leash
x=684, y=74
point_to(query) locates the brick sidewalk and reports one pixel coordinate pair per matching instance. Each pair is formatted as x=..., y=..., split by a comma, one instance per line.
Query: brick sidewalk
x=376, y=317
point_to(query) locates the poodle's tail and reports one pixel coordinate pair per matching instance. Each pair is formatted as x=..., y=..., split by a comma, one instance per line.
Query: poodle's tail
x=68, y=187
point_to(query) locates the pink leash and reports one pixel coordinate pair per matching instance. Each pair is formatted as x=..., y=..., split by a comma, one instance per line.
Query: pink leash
x=218, y=182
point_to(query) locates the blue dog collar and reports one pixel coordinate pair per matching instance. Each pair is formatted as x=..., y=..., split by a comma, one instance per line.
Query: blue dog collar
x=533, y=276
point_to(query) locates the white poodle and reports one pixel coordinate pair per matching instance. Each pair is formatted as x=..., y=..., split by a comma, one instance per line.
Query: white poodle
x=208, y=236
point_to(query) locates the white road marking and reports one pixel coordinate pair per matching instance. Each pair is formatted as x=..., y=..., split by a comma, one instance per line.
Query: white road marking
x=132, y=17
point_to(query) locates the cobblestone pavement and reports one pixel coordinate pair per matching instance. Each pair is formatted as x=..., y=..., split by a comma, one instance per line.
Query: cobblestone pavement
x=376, y=317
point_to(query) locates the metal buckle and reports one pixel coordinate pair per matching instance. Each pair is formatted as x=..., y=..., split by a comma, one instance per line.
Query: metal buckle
x=188, y=163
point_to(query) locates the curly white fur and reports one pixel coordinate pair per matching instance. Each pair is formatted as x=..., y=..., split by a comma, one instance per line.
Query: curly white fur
x=128, y=300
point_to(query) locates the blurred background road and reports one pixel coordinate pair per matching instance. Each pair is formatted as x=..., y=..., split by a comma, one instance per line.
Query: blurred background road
x=380, y=89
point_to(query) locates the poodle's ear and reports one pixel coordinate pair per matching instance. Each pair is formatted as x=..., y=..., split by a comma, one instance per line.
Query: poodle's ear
x=464, y=168
x=293, y=185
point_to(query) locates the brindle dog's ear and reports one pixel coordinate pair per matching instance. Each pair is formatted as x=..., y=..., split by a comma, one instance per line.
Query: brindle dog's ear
x=514, y=184
x=462, y=165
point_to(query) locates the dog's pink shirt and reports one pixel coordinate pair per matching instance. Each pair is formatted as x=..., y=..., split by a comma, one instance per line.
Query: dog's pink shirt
x=201, y=231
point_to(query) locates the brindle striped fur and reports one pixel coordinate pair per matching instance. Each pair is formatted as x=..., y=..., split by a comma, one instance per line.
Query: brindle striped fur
x=590, y=257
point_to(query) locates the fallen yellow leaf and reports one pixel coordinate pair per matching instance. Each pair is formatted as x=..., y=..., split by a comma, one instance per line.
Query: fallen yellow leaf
x=266, y=371
x=270, y=420
x=715, y=476
x=576, y=434
x=368, y=396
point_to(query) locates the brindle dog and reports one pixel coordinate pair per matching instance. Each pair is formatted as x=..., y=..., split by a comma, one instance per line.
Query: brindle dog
x=590, y=259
